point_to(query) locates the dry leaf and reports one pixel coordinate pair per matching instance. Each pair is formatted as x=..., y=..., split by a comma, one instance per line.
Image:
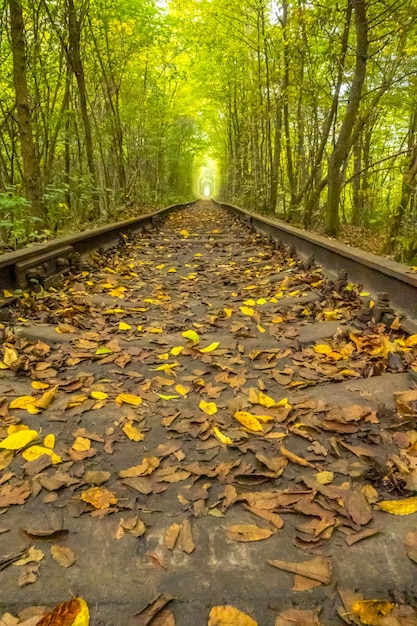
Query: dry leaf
x=229, y=616
x=19, y=440
x=63, y=555
x=298, y=617
x=99, y=497
x=148, y=465
x=208, y=407
x=294, y=458
x=247, y=532
x=370, y=611
x=132, y=432
x=318, y=568
x=74, y=613
x=399, y=507
x=248, y=420
x=186, y=537
x=128, y=398
x=411, y=545
x=171, y=536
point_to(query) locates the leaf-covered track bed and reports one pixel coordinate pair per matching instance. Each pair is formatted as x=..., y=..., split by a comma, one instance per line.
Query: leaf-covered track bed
x=197, y=430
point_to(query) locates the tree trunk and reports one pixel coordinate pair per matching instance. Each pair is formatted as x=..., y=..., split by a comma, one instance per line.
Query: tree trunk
x=31, y=167
x=341, y=148
x=74, y=55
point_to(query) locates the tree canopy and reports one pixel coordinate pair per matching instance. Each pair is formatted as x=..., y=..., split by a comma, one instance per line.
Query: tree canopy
x=305, y=110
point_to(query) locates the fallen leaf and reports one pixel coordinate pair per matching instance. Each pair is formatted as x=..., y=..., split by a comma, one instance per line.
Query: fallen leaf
x=186, y=537
x=19, y=440
x=81, y=444
x=294, y=458
x=32, y=555
x=370, y=611
x=399, y=507
x=171, y=536
x=46, y=399
x=128, y=398
x=208, y=407
x=248, y=420
x=74, y=613
x=99, y=497
x=63, y=555
x=210, y=348
x=229, y=616
x=298, y=617
x=148, y=614
x=35, y=452
x=132, y=432
x=247, y=532
x=222, y=438
x=148, y=465
x=191, y=335
x=411, y=545
x=318, y=568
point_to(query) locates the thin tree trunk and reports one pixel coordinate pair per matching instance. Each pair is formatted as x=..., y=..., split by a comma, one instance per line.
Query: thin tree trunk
x=341, y=148
x=31, y=167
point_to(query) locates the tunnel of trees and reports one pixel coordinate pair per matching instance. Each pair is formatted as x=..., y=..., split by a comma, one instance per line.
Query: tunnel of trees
x=304, y=110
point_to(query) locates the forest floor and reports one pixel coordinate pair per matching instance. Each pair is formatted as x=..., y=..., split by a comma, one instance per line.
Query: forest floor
x=195, y=431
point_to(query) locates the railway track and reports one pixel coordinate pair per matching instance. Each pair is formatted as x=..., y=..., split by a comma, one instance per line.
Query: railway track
x=217, y=422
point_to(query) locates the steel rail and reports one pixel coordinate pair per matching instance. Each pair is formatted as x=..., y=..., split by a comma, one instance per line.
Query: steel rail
x=375, y=273
x=56, y=256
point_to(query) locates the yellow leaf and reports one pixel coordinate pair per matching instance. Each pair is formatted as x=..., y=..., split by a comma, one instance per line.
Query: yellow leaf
x=411, y=341
x=248, y=420
x=7, y=294
x=208, y=407
x=322, y=348
x=15, y=428
x=191, y=335
x=36, y=384
x=278, y=319
x=229, y=616
x=49, y=441
x=99, y=497
x=222, y=438
x=249, y=302
x=370, y=612
x=166, y=367
x=103, y=350
x=176, y=350
x=46, y=398
x=246, y=310
x=34, y=452
x=99, y=395
x=133, y=433
x=228, y=312
x=172, y=270
x=330, y=315
x=405, y=506
x=81, y=444
x=139, y=327
x=167, y=397
x=128, y=398
x=264, y=418
x=23, y=402
x=124, y=326
x=261, y=301
x=10, y=355
x=114, y=311
x=210, y=348
x=182, y=390
x=19, y=440
x=324, y=478
x=184, y=233
x=164, y=356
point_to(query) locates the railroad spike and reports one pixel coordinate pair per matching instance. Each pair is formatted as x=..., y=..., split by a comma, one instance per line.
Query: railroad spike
x=383, y=311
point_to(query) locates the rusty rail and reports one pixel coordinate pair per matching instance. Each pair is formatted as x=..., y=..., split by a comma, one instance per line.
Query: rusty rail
x=376, y=274
x=47, y=262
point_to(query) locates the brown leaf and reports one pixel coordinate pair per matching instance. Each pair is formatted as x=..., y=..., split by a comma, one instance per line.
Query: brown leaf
x=166, y=618
x=294, y=458
x=186, y=537
x=29, y=576
x=411, y=545
x=148, y=614
x=318, y=568
x=171, y=536
x=142, y=485
x=247, y=532
x=298, y=617
x=63, y=555
x=148, y=465
x=363, y=534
